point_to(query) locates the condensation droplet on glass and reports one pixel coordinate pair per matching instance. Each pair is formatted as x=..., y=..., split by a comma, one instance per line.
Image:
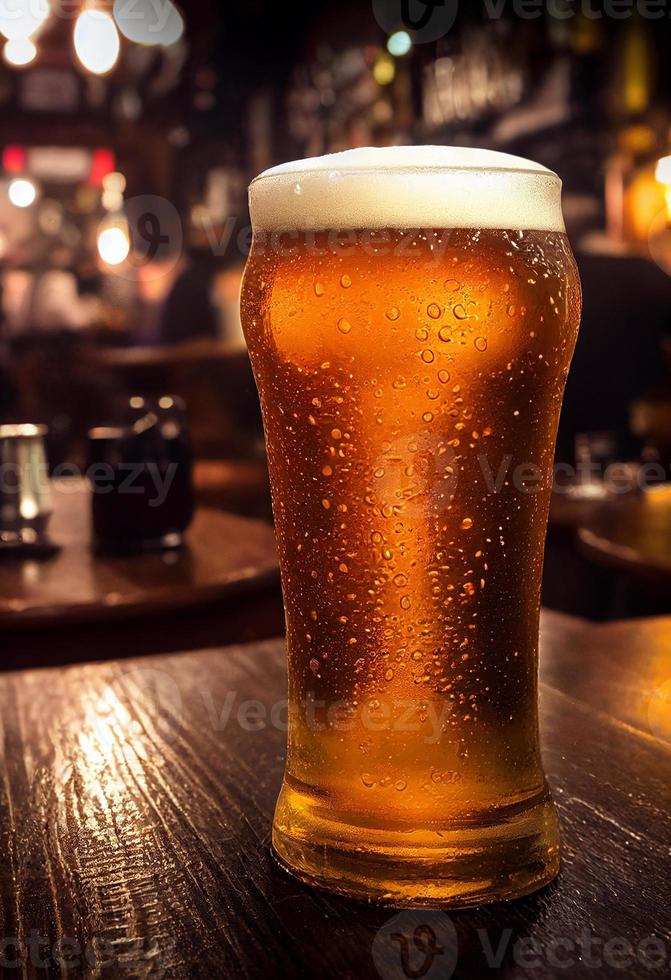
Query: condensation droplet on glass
x=428, y=356
x=480, y=344
x=345, y=281
x=344, y=326
x=393, y=314
x=434, y=311
x=319, y=289
x=467, y=523
x=443, y=377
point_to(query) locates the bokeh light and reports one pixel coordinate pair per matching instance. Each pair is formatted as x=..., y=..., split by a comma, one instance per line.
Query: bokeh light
x=399, y=44
x=19, y=51
x=384, y=70
x=113, y=245
x=96, y=41
x=22, y=192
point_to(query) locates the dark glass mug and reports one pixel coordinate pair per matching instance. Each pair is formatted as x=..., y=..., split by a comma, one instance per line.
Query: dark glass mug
x=141, y=477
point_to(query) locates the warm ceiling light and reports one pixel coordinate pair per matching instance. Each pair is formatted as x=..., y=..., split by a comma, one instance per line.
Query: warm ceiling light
x=21, y=19
x=22, y=192
x=146, y=22
x=19, y=52
x=97, y=41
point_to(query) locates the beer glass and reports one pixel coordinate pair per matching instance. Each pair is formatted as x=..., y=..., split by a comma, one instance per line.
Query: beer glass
x=411, y=314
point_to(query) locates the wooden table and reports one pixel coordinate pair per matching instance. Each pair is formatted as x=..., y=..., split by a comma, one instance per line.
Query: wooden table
x=135, y=811
x=226, y=562
x=632, y=534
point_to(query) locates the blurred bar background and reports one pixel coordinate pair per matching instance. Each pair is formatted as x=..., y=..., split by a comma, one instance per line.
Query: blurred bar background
x=128, y=135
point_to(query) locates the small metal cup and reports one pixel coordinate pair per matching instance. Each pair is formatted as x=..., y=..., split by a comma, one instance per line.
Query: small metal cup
x=25, y=490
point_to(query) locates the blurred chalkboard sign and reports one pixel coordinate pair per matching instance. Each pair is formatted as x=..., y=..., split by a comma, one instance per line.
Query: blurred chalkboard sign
x=48, y=90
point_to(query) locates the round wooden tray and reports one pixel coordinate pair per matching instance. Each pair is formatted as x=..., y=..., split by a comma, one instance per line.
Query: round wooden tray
x=632, y=534
x=223, y=555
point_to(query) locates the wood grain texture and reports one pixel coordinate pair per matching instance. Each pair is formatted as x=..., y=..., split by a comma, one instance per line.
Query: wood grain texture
x=223, y=556
x=135, y=807
x=622, y=669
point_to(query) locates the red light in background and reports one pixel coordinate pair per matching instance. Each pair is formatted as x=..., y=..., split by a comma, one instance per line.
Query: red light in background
x=103, y=162
x=14, y=159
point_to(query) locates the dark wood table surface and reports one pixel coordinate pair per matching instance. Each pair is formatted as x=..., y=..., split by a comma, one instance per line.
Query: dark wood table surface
x=135, y=810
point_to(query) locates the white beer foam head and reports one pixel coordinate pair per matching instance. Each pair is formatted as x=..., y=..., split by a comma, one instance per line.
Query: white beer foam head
x=408, y=187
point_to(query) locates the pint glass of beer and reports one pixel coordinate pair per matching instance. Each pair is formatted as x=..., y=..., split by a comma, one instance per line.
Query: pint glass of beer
x=411, y=315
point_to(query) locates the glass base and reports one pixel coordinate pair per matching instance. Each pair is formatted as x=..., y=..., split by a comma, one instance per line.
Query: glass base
x=459, y=867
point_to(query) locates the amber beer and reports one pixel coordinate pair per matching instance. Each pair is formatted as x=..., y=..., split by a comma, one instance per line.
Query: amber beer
x=411, y=315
